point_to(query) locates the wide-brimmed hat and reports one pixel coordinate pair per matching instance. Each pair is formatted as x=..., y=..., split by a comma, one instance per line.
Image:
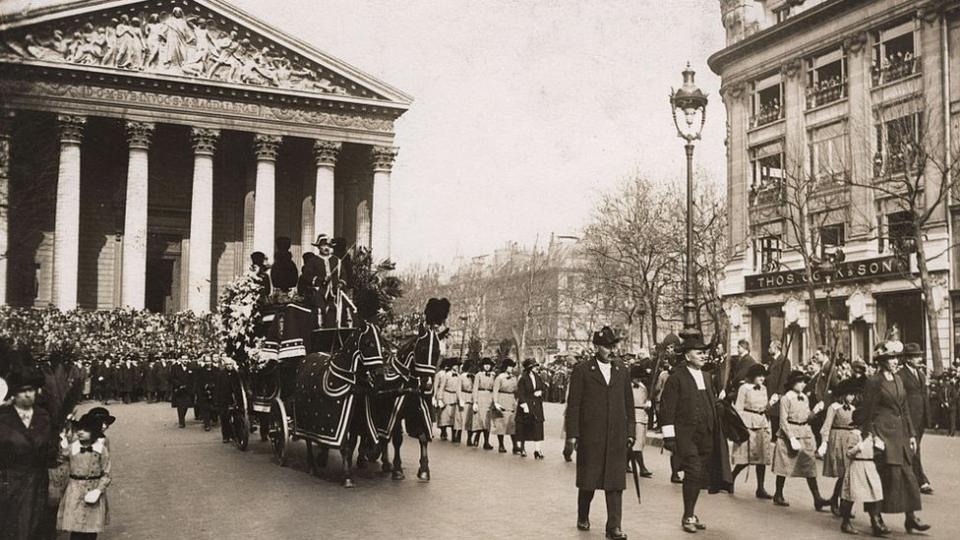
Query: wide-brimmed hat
x=487, y=361
x=605, y=337
x=103, y=414
x=322, y=239
x=853, y=385
x=530, y=363
x=795, y=377
x=507, y=363
x=91, y=424
x=910, y=350
x=756, y=370
x=887, y=349
x=22, y=379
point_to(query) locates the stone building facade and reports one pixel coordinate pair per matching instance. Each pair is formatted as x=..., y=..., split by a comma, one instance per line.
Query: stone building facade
x=148, y=148
x=817, y=85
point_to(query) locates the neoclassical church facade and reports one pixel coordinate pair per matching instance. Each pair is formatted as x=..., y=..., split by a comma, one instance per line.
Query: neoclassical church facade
x=147, y=148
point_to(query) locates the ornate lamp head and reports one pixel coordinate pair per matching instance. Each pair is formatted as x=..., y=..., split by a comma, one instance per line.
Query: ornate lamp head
x=690, y=102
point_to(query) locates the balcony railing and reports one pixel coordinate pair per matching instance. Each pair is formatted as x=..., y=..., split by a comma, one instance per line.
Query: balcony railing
x=893, y=69
x=824, y=92
x=767, y=115
x=769, y=191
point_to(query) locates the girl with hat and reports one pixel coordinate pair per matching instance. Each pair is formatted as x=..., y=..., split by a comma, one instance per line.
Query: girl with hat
x=794, y=455
x=530, y=389
x=861, y=481
x=482, y=401
x=505, y=405
x=639, y=373
x=751, y=403
x=106, y=418
x=836, y=435
x=83, y=508
x=887, y=418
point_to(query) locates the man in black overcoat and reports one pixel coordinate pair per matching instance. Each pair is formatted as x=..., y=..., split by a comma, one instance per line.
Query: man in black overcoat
x=692, y=431
x=918, y=401
x=600, y=421
x=182, y=385
x=776, y=382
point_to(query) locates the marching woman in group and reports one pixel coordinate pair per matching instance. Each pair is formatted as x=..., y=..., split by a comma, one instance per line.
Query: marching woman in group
x=482, y=402
x=448, y=399
x=887, y=418
x=83, y=508
x=836, y=434
x=861, y=481
x=751, y=403
x=796, y=447
x=504, y=405
x=464, y=420
x=530, y=414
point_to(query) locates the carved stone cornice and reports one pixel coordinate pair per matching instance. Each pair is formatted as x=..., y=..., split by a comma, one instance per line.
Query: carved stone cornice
x=325, y=153
x=71, y=128
x=266, y=147
x=791, y=68
x=383, y=158
x=734, y=91
x=139, y=134
x=855, y=42
x=204, y=140
x=931, y=12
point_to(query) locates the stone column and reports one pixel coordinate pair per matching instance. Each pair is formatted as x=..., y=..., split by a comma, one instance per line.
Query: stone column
x=201, y=220
x=5, y=134
x=66, y=243
x=325, y=153
x=383, y=158
x=134, y=269
x=265, y=203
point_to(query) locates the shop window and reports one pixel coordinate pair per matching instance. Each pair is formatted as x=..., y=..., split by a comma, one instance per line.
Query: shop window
x=768, y=252
x=766, y=163
x=831, y=239
x=826, y=78
x=829, y=152
x=898, y=142
x=895, y=54
x=767, y=100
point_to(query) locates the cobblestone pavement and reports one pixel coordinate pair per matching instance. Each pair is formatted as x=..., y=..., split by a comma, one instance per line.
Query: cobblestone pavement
x=174, y=483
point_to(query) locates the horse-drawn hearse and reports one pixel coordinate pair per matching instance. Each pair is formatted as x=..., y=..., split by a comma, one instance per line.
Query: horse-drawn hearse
x=334, y=385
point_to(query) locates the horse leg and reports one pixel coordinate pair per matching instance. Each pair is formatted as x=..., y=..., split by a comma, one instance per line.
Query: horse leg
x=346, y=453
x=423, y=473
x=310, y=459
x=397, y=462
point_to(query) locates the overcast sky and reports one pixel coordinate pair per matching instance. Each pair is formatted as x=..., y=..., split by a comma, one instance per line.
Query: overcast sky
x=524, y=110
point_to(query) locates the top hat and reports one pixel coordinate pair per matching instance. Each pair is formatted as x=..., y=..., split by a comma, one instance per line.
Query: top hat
x=911, y=349
x=605, y=337
x=368, y=303
x=794, y=377
x=103, y=414
x=322, y=240
x=756, y=370
x=530, y=363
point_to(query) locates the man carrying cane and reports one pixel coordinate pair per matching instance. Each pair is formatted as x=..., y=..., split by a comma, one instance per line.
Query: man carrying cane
x=691, y=429
x=600, y=421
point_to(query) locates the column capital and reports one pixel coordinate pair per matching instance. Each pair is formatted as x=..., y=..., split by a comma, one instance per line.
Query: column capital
x=204, y=140
x=266, y=147
x=383, y=158
x=71, y=128
x=139, y=134
x=326, y=152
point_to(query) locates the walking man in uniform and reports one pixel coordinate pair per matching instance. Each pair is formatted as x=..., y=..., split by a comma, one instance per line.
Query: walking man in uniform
x=600, y=421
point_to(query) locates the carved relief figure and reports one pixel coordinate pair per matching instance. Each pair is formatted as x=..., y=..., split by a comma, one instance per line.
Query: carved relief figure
x=154, y=34
x=110, y=40
x=178, y=36
x=129, y=43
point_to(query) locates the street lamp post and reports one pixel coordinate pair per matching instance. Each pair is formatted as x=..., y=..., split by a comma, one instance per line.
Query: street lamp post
x=691, y=103
x=463, y=335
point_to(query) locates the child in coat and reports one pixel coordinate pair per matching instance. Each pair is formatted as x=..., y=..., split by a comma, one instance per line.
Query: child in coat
x=83, y=508
x=861, y=480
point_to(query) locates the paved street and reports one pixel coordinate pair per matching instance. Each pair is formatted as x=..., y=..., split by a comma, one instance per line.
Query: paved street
x=171, y=483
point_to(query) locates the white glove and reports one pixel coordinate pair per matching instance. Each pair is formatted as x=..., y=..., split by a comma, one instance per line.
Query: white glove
x=795, y=444
x=537, y=393
x=525, y=407
x=476, y=408
x=774, y=399
x=723, y=394
x=92, y=496
x=878, y=443
x=822, y=451
x=818, y=407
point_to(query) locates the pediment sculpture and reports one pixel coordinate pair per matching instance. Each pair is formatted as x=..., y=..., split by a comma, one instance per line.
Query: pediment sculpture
x=199, y=44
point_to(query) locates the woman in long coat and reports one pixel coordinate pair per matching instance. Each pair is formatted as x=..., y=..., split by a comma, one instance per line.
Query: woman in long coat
x=751, y=403
x=887, y=417
x=530, y=390
x=26, y=450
